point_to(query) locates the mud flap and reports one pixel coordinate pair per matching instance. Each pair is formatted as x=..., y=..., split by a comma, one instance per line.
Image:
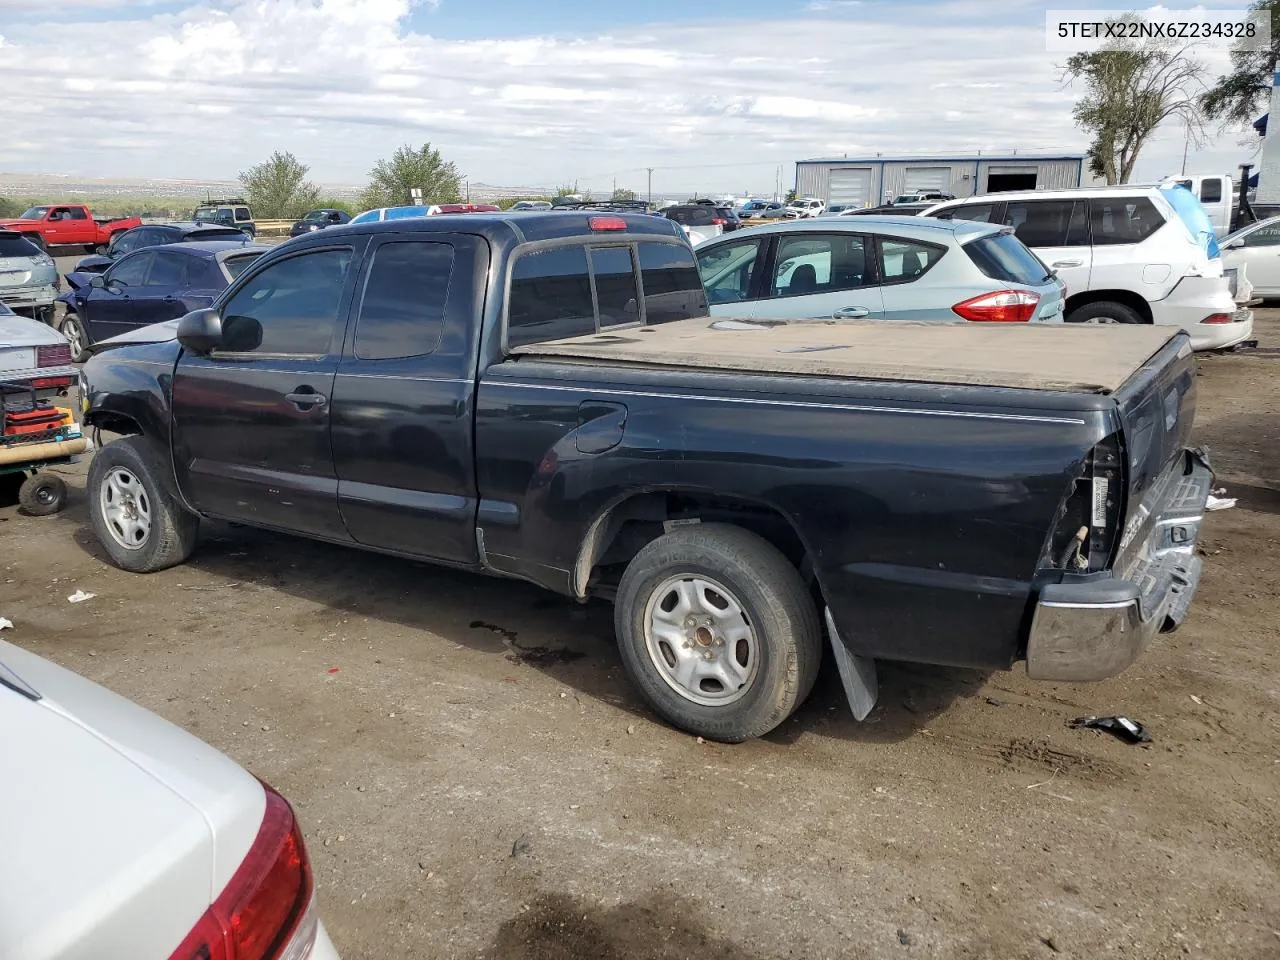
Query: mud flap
x=858, y=674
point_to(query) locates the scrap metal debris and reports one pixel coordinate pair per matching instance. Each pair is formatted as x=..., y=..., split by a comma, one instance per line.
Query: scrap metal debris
x=80, y=597
x=1130, y=731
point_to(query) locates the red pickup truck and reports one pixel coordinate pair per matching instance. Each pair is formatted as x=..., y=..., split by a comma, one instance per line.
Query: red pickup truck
x=68, y=223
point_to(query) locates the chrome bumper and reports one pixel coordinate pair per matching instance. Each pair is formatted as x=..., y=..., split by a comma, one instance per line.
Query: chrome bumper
x=1093, y=628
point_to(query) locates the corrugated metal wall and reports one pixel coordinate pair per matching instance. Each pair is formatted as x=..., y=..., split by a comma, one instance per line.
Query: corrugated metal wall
x=967, y=177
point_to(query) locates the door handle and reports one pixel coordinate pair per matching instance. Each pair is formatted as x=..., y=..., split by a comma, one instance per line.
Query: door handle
x=306, y=397
x=851, y=313
x=1067, y=263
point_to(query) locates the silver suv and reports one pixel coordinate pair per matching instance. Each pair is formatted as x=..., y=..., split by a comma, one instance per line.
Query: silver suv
x=28, y=277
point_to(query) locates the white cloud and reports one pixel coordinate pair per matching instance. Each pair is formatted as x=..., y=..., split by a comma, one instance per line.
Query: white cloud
x=215, y=87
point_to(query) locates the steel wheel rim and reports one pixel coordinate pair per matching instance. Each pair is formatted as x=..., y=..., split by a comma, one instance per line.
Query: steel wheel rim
x=1096, y=320
x=701, y=641
x=45, y=494
x=126, y=508
x=71, y=330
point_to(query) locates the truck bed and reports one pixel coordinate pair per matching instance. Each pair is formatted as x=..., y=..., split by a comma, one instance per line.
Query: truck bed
x=1078, y=358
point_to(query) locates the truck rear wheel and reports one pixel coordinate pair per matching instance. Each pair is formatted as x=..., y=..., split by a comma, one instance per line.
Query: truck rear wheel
x=136, y=516
x=718, y=631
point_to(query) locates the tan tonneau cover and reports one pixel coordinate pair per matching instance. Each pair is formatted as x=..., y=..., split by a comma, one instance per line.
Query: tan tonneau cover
x=1076, y=357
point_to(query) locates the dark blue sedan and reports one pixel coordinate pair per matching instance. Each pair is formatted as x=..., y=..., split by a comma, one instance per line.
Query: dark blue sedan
x=155, y=235
x=150, y=286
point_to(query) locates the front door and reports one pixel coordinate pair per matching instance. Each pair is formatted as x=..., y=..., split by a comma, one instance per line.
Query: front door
x=402, y=401
x=1057, y=231
x=1260, y=255
x=251, y=419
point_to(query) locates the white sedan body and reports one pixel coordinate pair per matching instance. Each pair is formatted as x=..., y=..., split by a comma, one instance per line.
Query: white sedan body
x=119, y=830
x=1256, y=248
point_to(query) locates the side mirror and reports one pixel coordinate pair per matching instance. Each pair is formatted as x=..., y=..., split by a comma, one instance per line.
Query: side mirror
x=1235, y=244
x=200, y=331
x=98, y=281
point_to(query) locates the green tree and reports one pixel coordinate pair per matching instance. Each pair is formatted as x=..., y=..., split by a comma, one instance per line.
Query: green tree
x=10, y=208
x=1238, y=97
x=622, y=193
x=1130, y=90
x=278, y=188
x=570, y=190
x=422, y=168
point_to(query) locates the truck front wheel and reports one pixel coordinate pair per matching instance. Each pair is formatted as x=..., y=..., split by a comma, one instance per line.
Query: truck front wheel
x=137, y=518
x=718, y=631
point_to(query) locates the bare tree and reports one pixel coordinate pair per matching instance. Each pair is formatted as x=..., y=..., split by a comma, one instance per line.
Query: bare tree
x=1130, y=90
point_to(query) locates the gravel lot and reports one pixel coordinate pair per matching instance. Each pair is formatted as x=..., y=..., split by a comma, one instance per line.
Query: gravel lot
x=476, y=779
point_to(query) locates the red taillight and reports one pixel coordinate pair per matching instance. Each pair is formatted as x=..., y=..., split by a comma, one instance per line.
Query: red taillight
x=607, y=223
x=1003, y=306
x=266, y=907
x=718, y=221
x=53, y=355
x=43, y=383
x=1217, y=318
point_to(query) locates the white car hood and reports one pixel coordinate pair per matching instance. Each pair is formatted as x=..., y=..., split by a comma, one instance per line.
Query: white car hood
x=16, y=331
x=117, y=828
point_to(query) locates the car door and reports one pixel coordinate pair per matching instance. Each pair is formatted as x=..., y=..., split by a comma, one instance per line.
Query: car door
x=730, y=271
x=251, y=418
x=1259, y=252
x=1057, y=231
x=78, y=227
x=402, y=410
x=821, y=275
x=113, y=307
x=57, y=226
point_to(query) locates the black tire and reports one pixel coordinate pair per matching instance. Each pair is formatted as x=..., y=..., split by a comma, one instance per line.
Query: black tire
x=38, y=240
x=779, y=611
x=1105, y=311
x=172, y=530
x=42, y=495
x=74, y=329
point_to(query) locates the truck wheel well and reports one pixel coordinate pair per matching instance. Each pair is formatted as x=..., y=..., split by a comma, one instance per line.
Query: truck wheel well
x=625, y=529
x=114, y=423
x=1127, y=297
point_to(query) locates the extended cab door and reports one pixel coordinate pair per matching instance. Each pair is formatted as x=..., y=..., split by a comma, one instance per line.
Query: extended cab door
x=251, y=419
x=403, y=398
x=1057, y=231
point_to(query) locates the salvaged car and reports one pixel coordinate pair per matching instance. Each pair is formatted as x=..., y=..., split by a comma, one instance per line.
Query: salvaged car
x=28, y=277
x=543, y=397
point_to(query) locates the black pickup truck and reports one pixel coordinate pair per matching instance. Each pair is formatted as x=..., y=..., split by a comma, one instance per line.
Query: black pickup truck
x=543, y=397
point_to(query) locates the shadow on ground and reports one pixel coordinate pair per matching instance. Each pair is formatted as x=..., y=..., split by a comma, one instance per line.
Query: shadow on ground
x=557, y=927
x=527, y=625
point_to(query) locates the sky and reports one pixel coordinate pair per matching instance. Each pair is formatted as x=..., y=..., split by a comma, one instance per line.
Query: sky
x=715, y=95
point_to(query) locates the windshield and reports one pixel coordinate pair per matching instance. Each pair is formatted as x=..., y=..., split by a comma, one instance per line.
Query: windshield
x=1193, y=214
x=35, y=213
x=315, y=215
x=213, y=213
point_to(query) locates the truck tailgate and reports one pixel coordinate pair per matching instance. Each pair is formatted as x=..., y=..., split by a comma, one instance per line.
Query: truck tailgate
x=1078, y=358
x=1157, y=407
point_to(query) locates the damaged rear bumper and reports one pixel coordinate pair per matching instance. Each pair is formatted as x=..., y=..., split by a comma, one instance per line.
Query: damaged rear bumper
x=1093, y=628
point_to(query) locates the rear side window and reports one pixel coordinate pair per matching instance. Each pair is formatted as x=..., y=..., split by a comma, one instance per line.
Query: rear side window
x=237, y=265
x=550, y=297
x=168, y=270
x=981, y=212
x=672, y=287
x=402, y=312
x=1123, y=219
x=1003, y=257
x=902, y=261
x=15, y=245
x=616, y=293
x=242, y=213
x=1211, y=191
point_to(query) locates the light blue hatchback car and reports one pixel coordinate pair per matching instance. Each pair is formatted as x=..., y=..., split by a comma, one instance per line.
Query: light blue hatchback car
x=879, y=268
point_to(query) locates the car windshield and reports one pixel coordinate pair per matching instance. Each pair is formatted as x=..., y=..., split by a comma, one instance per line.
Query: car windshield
x=213, y=213
x=16, y=245
x=237, y=265
x=316, y=215
x=35, y=213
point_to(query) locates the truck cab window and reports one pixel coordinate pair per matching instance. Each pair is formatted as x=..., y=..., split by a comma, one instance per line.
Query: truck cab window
x=550, y=297
x=290, y=308
x=616, y=292
x=402, y=310
x=672, y=287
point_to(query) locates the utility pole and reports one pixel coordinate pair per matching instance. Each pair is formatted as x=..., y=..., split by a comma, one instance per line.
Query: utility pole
x=650, y=169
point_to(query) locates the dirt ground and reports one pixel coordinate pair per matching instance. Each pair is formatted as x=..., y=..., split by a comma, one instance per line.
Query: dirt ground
x=476, y=779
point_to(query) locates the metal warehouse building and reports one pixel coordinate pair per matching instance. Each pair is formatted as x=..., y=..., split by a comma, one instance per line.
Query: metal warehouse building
x=871, y=181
